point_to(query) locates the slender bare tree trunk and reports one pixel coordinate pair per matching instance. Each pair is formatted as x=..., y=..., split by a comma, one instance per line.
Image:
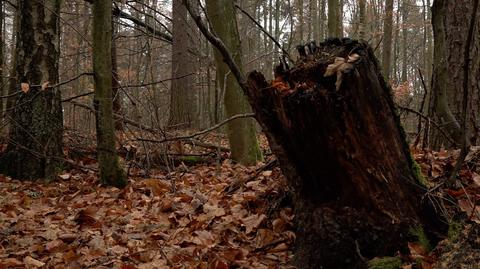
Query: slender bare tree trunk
x=387, y=39
x=300, y=20
x=241, y=132
x=2, y=64
x=362, y=19
x=405, y=12
x=334, y=19
x=110, y=171
x=116, y=91
x=182, y=102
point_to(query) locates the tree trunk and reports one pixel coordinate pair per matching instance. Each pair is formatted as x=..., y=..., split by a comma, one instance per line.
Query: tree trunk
x=451, y=26
x=2, y=65
x=182, y=104
x=334, y=20
x=110, y=171
x=405, y=13
x=241, y=132
x=12, y=81
x=362, y=19
x=321, y=19
x=387, y=39
x=300, y=20
x=441, y=78
x=357, y=191
x=35, y=140
x=316, y=25
x=116, y=93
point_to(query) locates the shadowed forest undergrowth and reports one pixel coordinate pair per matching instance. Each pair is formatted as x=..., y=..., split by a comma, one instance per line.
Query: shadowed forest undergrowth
x=210, y=215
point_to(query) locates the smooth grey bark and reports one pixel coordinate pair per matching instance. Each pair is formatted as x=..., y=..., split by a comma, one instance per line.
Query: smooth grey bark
x=387, y=39
x=241, y=132
x=405, y=13
x=362, y=18
x=334, y=19
x=183, y=107
x=2, y=65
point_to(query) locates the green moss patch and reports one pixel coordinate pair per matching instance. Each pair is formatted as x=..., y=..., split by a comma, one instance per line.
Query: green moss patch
x=421, y=237
x=454, y=230
x=385, y=263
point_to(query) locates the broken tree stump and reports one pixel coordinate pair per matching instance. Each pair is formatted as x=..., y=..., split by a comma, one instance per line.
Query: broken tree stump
x=339, y=142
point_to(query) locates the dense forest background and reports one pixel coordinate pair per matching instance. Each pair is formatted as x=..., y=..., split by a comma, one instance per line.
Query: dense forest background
x=149, y=57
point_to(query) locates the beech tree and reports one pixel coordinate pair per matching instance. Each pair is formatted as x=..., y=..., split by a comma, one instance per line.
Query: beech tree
x=2, y=66
x=241, y=132
x=334, y=18
x=34, y=149
x=450, y=29
x=183, y=107
x=387, y=39
x=110, y=171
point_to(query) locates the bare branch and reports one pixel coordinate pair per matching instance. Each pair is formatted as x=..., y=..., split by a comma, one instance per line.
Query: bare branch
x=121, y=14
x=264, y=31
x=214, y=127
x=51, y=86
x=217, y=43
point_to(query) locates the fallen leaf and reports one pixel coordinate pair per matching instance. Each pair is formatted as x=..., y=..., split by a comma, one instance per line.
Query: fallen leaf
x=339, y=67
x=157, y=187
x=29, y=261
x=417, y=251
x=86, y=217
x=53, y=245
x=219, y=265
x=65, y=176
x=45, y=85
x=279, y=248
x=252, y=222
x=267, y=173
x=353, y=58
x=10, y=262
x=25, y=87
x=473, y=211
x=476, y=179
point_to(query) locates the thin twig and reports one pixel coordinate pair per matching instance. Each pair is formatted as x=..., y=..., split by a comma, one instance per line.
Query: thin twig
x=217, y=43
x=264, y=31
x=214, y=127
x=422, y=106
x=51, y=86
x=428, y=119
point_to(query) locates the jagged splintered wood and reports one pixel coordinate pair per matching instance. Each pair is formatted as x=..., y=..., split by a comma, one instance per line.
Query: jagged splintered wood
x=356, y=191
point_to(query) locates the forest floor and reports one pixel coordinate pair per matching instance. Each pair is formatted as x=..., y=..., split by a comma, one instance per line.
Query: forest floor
x=211, y=215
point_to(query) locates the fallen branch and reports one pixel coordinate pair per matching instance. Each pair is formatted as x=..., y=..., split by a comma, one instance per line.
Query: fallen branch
x=236, y=185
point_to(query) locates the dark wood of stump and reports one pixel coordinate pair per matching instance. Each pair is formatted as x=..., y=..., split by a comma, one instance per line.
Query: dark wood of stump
x=345, y=155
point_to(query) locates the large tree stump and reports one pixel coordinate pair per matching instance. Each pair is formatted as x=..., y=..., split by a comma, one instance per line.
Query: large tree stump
x=356, y=191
